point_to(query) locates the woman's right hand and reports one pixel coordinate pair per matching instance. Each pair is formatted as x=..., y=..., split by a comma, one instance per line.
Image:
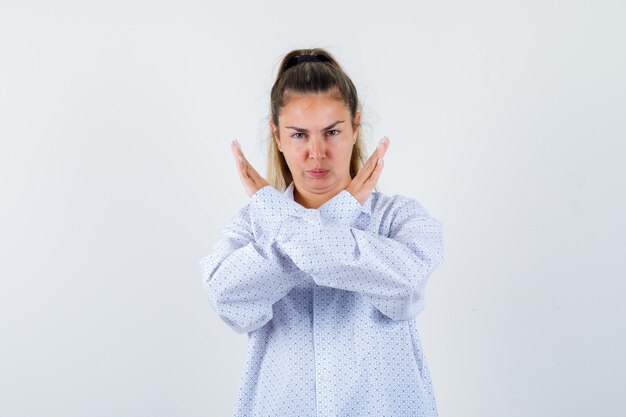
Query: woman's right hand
x=365, y=180
x=251, y=180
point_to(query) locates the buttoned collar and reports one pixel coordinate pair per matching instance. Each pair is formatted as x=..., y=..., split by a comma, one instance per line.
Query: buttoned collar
x=365, y=208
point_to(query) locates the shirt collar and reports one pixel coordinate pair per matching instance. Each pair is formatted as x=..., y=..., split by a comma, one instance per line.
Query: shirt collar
x=365, y=208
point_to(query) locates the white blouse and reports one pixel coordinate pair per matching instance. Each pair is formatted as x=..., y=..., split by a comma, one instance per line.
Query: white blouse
x=328, y=299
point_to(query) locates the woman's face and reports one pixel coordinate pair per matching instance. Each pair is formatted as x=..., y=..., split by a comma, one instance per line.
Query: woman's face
x=316, y=137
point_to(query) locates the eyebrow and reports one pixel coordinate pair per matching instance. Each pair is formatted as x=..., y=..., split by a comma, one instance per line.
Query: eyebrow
x=300, y=129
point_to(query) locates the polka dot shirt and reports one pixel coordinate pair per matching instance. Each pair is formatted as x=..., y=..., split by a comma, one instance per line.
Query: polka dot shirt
x=328, y=299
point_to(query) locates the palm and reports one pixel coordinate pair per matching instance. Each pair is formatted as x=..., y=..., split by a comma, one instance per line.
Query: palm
x=365, y=180
x=250, y=178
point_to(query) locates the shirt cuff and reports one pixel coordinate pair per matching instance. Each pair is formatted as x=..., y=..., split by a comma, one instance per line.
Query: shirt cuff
x=316, y=246
x=343, y=208
x=268, y=207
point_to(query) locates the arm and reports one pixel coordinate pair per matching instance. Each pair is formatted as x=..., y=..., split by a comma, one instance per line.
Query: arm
x=391, y=271
x=244, y=276
x=245, y=273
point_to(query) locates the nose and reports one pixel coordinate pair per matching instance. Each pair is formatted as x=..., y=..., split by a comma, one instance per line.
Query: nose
x=317, y=149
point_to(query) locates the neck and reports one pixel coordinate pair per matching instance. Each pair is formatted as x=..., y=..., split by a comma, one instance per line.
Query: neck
x=315, y=200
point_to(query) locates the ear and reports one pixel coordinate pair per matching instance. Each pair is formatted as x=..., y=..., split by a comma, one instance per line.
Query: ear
x=274, y=130
x=357, y=122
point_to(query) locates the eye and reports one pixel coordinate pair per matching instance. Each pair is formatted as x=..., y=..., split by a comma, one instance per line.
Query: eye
x=334, y=130
x=297, y=133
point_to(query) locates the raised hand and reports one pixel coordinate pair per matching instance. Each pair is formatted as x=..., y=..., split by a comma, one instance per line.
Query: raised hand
x=365, y=180
x=250, y=178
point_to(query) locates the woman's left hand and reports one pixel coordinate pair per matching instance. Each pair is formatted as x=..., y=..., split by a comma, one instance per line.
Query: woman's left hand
x=250, y=178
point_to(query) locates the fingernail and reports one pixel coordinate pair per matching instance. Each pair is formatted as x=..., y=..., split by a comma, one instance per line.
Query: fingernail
x=380, y=142
x=237, y=143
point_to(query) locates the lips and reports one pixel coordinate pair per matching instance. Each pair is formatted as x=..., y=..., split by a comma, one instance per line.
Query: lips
x=317, y=173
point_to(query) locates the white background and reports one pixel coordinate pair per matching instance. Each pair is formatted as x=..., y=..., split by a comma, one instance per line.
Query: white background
x=507, y=121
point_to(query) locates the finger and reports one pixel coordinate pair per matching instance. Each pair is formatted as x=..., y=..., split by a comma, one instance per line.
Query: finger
x=370, y=166
x=248, y=170
x=377, y=158
x=240, y=160
x=377, y=155
x=247, y=166
x=373, y=179
x=366, y=170
x=236, y=151
x=382, y=147
x=254, y=175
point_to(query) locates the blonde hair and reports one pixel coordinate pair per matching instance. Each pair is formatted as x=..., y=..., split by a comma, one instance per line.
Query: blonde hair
x=326, y=77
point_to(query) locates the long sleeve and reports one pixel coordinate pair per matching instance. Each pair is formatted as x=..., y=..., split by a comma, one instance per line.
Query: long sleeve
x=391, y=271
x=245, y=273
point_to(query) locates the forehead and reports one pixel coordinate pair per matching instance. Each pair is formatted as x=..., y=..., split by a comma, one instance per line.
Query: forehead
x=313, y=109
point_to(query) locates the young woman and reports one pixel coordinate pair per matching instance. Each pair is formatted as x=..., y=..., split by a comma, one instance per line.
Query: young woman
x=323, y=273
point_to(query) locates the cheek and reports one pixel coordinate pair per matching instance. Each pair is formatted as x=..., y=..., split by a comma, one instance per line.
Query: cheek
x=296, y=154
x=295, y=159
x=347, y=151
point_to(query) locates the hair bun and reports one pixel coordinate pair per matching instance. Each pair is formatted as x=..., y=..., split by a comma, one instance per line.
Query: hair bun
x=295, y=60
